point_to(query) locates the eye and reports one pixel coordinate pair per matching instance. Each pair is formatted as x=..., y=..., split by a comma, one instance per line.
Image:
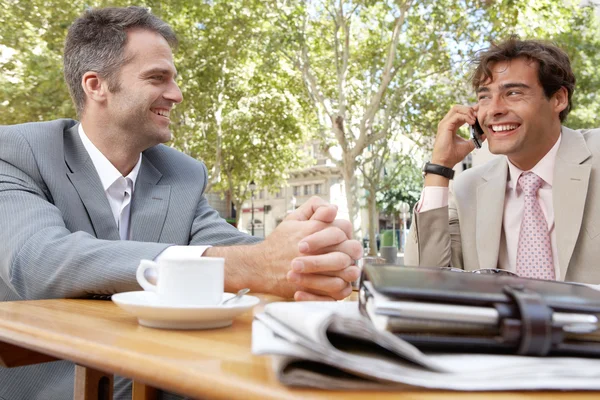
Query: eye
x=157, y=77
x=513, y=93
x=483, y=97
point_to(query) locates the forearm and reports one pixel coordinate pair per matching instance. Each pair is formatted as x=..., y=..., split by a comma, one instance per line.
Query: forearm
x=247, y=266
x=429, y=239
x=436, y=180
x=58, y=264
x=429, y=229
x=41, y=258
x=208, y=228
x=312, y=240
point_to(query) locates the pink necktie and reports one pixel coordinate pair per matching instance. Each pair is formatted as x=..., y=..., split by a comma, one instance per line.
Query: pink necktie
x=534, y=252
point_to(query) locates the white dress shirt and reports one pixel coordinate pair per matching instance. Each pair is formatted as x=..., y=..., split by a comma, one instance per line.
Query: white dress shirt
x=119, y=191
x=434, y=197
x=117, y=188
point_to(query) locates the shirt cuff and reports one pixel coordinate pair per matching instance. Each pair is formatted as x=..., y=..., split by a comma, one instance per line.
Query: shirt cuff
x=432, y=197
x=174, y=251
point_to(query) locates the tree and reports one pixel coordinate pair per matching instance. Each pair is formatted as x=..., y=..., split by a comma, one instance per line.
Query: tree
x=366, y=65
x=405, y=187
x=31, y=41
x=241, y=114
x=372, y=69
x=390, y=180
x=256, y=73
x=574, y=28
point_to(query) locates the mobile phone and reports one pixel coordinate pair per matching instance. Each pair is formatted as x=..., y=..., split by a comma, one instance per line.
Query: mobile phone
x=476, y=133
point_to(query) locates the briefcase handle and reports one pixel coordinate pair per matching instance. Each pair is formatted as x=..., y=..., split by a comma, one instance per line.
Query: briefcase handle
x=536, y=321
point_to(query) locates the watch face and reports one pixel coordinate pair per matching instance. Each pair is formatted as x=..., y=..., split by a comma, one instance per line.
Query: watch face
x=425, y=167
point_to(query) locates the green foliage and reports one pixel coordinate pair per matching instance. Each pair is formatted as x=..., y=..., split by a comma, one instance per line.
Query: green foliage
x=405, y=187
x=573, y=28
x=240, y=102
x=242, y=114
x=259, y=75
x=31, y=85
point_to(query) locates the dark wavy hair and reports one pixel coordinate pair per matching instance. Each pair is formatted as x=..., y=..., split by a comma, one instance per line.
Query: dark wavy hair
x=554, y=66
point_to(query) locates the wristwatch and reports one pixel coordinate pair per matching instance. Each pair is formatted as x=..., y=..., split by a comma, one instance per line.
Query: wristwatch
x=436, y=169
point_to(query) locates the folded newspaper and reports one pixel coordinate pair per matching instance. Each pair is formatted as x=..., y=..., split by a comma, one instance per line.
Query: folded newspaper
x=331, y=346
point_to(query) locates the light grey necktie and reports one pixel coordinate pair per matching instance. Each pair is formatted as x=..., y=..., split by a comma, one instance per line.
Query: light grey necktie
x=124, y=210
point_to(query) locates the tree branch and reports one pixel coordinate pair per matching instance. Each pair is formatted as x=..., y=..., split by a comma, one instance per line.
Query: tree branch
x=387, y=76
x=342, y=72
x=377, y=160
x=216, y=168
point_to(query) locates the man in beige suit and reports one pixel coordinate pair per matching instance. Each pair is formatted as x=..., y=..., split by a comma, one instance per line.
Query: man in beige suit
x=524, y=93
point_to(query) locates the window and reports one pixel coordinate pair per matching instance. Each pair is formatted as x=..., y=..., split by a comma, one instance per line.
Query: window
x=261, y=194
x=279, y=193
x=296, y=190
x=318, y=188
x=307, y=190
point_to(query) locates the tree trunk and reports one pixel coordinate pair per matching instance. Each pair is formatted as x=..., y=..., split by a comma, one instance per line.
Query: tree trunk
x=351, y=189
x=373, y=222
x=238, y=212
x=215, y=172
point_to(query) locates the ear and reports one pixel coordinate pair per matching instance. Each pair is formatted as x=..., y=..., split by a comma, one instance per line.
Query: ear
x=94, y=86
x=560, y=99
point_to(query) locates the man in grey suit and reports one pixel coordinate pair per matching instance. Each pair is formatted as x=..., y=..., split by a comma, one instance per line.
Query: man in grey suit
x=83, y=203
x=533, y=212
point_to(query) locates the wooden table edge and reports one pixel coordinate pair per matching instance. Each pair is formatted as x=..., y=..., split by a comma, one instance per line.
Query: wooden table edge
x=52, y=345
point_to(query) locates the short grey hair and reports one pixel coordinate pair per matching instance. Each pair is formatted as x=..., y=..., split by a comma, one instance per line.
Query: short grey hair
x=96, y=42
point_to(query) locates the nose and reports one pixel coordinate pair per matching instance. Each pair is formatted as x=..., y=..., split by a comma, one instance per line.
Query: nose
x=496, y=107
x=173, y=93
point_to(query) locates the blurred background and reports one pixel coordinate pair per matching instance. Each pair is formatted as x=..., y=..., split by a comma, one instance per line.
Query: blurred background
x=284, y=100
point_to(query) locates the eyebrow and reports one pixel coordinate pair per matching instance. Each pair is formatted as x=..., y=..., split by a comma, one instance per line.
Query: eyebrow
x=504, y=87
x=162, y=71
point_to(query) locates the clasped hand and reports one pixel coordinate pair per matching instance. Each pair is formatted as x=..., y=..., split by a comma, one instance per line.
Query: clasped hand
x=316, y=253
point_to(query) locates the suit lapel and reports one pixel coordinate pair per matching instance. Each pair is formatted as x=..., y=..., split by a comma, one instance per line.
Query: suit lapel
x=569, y=193
x=490, y=208
x=150, y=204
x=85, y=179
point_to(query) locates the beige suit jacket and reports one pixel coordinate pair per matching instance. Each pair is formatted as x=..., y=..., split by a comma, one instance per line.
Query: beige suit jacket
x=467, y=233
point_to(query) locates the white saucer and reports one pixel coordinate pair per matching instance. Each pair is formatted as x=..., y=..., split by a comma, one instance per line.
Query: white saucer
x=151, y=313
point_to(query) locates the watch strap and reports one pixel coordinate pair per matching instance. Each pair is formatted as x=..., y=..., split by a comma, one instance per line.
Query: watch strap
x=437, y=169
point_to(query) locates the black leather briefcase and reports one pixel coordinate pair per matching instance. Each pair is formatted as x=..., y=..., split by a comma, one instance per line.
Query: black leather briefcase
x=437, y=309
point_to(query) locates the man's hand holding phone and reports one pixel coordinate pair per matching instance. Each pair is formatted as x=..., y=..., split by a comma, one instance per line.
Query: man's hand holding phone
x=449, y=148
x=477, y=135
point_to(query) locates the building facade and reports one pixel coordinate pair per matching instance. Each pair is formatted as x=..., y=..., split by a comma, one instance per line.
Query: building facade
x=322, y=179
x=270, y=208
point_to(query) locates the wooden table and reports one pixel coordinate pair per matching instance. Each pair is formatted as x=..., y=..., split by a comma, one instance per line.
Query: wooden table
x=204, y=364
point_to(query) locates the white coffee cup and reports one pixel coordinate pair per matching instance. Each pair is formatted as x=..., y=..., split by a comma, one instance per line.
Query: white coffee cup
x=184, y=280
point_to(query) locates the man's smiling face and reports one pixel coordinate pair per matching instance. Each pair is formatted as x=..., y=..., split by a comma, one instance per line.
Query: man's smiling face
x=517, y=117
x=147, y=89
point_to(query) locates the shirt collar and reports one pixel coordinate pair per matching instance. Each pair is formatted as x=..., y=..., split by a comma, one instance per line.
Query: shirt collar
x=106, y=171
x=544, y=168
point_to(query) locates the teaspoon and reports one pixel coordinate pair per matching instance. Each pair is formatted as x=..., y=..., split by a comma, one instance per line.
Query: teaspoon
x=237, y=296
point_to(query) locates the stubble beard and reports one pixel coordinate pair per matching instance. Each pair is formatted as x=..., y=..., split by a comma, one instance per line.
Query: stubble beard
x=143, y=131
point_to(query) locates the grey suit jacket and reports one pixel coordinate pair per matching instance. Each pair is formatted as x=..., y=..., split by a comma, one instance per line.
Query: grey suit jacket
x=58, y=237
x=467, y=233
